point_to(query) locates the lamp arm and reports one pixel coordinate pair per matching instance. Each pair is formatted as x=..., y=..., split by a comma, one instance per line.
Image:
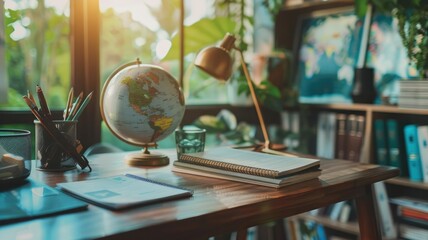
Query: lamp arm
x=254, y=97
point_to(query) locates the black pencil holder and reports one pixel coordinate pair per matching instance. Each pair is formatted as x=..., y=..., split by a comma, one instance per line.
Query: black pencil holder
x=50, y=155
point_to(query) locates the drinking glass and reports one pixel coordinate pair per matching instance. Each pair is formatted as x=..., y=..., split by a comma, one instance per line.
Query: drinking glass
x=189, y=140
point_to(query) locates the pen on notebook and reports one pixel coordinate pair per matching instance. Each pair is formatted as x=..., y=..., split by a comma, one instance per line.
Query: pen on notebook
x=75, y=106
x=82, y=106
x=42, y=101
x=69, y=103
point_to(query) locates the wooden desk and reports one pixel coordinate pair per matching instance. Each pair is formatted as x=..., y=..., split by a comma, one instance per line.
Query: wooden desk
x=218, y=206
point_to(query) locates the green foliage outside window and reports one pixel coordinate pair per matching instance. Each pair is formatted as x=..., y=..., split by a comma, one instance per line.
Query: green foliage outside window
x=37, y=53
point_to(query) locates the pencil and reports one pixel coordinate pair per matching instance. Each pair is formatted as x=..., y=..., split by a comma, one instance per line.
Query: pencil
x=32, y=107
x=57, y=136
x=75, y=106
x=69, y=102
x=30, y=96
x=82, y=106
x=43, y=103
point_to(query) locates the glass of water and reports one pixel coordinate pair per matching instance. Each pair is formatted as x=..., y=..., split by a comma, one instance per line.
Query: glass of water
x=189, y=140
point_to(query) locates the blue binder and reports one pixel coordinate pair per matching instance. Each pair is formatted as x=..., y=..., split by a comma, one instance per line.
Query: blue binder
x=396, y=148
x=413, y=154
x=381, y=143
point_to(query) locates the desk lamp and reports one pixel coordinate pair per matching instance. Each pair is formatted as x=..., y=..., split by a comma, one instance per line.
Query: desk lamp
x=217, y=62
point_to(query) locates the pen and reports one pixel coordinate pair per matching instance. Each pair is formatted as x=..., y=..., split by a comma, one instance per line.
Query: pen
x=69, y=102
x=42, y=100
x=82, y=106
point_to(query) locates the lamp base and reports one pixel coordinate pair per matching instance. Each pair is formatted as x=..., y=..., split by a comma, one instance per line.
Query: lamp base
x=146, y=159
x=273, y=146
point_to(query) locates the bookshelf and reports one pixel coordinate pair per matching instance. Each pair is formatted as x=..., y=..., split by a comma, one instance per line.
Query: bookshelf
x=398, y=186
x=285, y=34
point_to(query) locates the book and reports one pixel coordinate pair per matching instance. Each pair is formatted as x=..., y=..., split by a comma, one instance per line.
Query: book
x=199, y=170
x=382, y=155
x=326, y=129
x=411, y=232
x=413, y=221
x=123, y=191
x=341, y=137
x=321, y=134
x=33, y=199
x=396, y=148
x=412, y=213
x=423, y=149
x=345, y=214
x=417, y=204
x=336, y=210
x=354, y=137
x=413, y=153
x=250, y=162
x=388, y=228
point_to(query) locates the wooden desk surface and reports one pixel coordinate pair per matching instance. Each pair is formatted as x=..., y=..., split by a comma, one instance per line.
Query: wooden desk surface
x=218, y=206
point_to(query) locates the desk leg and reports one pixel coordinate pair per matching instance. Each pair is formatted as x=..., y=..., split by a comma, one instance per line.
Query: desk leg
x=369, y=228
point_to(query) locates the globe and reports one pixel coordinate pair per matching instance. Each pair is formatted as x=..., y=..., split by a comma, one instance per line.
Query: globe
x=142, y=104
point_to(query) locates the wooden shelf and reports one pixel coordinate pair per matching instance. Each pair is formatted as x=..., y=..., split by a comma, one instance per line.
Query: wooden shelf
x=350, y=227
x=369, y=107
x=405, y=182
x=315, y=4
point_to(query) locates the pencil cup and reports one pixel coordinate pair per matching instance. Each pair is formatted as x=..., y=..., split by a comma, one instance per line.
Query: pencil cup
x=50, y=155
x=189, y=140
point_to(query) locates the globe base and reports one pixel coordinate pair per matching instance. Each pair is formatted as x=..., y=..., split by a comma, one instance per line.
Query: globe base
x=146, y=159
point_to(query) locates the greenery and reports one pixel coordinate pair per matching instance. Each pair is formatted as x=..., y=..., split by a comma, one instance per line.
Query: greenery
x=226, y=128
x=274, y=6
x=412, y=16
x=37, y=53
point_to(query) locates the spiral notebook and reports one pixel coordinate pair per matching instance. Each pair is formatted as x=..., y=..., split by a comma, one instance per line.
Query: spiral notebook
x=123, y=191
x=250, y=162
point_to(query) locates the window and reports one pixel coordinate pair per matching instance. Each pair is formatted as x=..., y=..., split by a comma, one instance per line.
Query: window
x=34, y=50
x=149, y=30
x=54, y=44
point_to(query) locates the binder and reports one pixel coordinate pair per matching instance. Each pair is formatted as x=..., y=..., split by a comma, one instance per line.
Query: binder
x=413, y=154
x=381, y=142
x=396, y=148
x=423, y=148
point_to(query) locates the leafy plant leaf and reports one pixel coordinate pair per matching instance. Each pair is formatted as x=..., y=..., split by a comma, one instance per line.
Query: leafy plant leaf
x=203, y=33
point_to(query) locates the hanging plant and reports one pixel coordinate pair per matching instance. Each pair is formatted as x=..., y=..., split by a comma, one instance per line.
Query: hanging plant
x=412, y=17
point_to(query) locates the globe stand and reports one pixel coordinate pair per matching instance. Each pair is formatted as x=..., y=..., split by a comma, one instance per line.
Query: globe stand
x=145, y=158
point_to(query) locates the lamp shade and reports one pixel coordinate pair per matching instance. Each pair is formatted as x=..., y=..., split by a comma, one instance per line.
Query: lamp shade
x=216, y=60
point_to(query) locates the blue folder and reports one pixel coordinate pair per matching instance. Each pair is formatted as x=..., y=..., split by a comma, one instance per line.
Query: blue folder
x=413, y=154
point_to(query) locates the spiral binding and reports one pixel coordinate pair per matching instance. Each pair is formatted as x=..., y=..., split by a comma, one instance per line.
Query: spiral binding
x=229, y=166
